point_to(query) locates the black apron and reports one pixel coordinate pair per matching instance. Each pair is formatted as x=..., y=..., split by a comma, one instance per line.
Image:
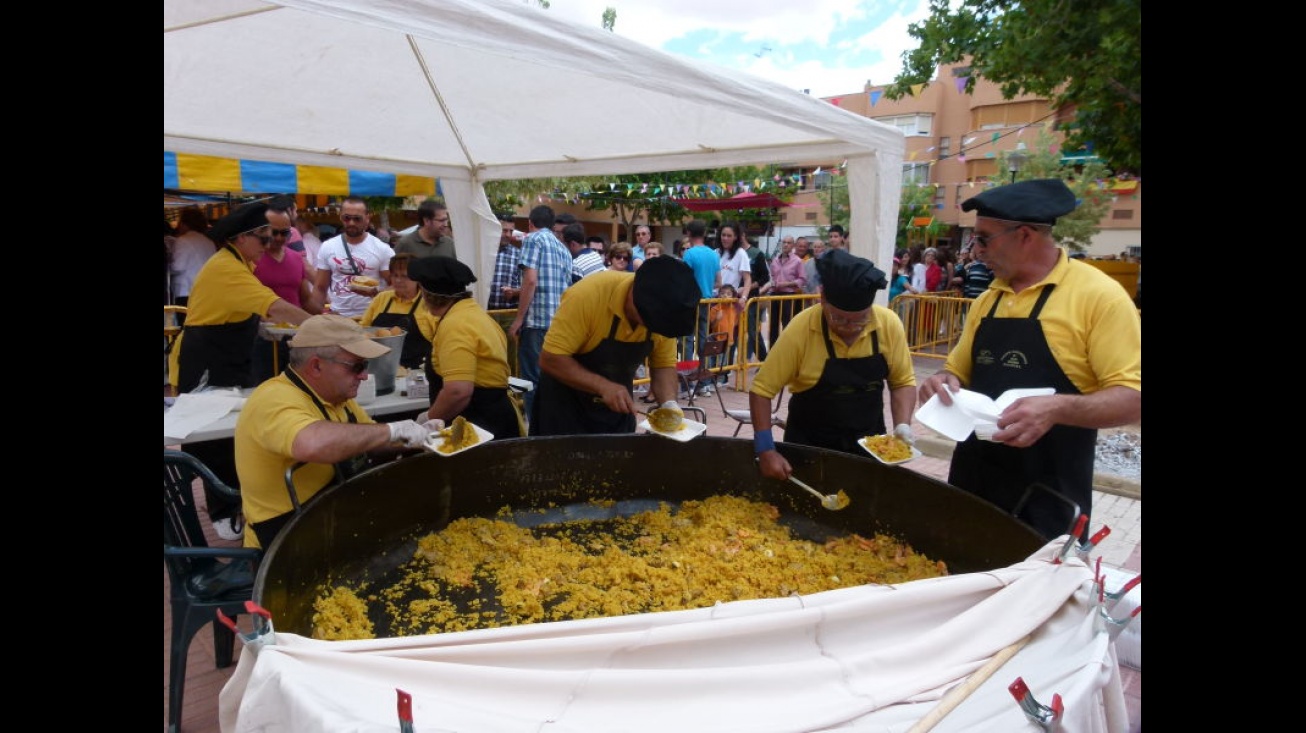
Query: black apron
x=224, y=350
x=1061, y=460
x=561, y=410
x=416, y=347
x=267, y=529
x=845, y=405
x=489, y=407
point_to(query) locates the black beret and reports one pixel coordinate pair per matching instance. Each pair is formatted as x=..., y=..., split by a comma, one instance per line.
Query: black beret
x=564, y=219
x=848, y=282
x=440, y=275
x=1037, y=202
x=666, y=296
x=241, y=219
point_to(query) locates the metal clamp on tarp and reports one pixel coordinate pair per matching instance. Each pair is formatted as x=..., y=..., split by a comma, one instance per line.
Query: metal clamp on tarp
x=1081, y=549
x=262, y=633
x=1048, y=717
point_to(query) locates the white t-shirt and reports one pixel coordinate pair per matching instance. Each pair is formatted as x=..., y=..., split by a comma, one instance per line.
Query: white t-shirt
x=370, y=257
x=918, y=276
x=732, y=268
x=189, y=253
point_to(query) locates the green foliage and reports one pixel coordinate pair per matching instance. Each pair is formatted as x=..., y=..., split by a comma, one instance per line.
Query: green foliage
x=1081, y=56
x=381, y=206
x=609, y=18
x=1077, y=229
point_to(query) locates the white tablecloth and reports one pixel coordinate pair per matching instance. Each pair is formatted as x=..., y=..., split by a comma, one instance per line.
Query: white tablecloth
x=870, y=658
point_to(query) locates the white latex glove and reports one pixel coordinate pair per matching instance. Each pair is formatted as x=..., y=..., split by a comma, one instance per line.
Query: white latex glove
x=904, y=432
x=670, y=405
x=409, y=433
x=424, y=419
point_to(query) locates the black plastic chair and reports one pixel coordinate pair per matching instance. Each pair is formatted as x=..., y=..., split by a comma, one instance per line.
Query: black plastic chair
x=201, y=579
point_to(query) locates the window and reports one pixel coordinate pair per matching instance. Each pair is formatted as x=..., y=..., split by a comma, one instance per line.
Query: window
x=1119, y=214
x=915, y=174
x=821, y=180
x=945, y=148
x=1009, y=114
x=940, y=197
x=917, y=125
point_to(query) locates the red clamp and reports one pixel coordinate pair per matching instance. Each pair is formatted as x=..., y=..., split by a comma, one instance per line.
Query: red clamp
x=262, y=633
x=405, y=711
x=1048, y=717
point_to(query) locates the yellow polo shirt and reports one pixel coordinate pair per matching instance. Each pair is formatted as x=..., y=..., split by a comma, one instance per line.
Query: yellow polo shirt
x=470, y=346
x=265, y=432
x=584, y=319
x=1091, y=326
x=798, y=358
x=225, y=291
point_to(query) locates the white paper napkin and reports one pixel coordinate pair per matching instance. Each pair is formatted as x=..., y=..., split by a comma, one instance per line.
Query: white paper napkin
x=194, y=410
x=971, y=412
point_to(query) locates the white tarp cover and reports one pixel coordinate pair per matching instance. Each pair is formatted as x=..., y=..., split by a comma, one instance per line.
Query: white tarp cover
x=474, y=90
x=869, y=658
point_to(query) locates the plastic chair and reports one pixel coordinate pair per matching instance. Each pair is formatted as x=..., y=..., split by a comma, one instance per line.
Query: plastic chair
x=745, y=416
x=200, y=582
x=714, y=346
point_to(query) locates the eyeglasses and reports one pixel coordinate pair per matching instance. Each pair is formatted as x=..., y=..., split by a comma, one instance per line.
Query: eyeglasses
x=281, y=232
x=837, y=320
x=351, y=217
x=356, y=367
x=984, y=239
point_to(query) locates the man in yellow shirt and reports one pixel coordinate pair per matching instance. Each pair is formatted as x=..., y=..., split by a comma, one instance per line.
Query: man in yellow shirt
x=607, y=325
x=1045, y=321
x=836, y=358
x=308, y=414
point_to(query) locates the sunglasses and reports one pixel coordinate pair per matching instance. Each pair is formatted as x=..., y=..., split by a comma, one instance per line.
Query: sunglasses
x=355, y=367
x=281, y=232
x=261, y=233
x=620, y=257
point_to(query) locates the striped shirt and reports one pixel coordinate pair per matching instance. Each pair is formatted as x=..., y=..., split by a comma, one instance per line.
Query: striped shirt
x=543, y=252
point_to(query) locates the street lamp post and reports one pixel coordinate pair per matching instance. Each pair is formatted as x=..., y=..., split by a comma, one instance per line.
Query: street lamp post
x=1015, y=162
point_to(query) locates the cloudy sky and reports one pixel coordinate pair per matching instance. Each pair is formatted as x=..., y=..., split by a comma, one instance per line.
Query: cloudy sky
x=831, y=47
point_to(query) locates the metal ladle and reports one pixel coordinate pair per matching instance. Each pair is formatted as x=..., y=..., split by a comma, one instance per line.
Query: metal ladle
x=833, y=502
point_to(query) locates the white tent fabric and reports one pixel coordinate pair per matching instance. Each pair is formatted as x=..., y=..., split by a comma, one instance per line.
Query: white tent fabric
x=868, y=658
x=476, y=90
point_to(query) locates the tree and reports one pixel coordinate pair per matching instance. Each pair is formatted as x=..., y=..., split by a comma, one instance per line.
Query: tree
x=1076, y=229
x=1086, y=58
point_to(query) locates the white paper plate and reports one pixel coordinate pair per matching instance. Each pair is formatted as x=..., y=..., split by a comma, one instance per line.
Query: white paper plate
x=281, y=330
x=915, y=453
x=687, y=432
x=436, y=439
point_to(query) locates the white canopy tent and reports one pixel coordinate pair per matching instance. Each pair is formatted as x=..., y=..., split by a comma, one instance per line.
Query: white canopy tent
x=470, y=91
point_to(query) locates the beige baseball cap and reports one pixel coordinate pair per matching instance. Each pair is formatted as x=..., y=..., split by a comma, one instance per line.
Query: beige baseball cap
x=328, y=330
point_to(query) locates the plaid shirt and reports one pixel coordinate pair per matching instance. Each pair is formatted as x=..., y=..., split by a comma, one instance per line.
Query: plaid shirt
x=543, y=252
x=506, y=273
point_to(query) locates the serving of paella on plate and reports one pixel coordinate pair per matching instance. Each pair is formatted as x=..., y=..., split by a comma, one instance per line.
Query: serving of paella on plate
x=889, y=449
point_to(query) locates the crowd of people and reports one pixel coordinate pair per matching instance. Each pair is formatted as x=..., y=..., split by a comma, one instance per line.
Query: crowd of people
x=588, y=318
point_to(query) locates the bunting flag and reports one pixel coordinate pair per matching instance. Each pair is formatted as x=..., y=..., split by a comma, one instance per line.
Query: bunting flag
x=997, y=136
x=836, y=100
x=875, y=96
x=183, y=171
x=916, y=89
x=961, y=84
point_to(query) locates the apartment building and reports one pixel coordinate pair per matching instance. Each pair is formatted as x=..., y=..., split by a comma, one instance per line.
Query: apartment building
x=954, y=143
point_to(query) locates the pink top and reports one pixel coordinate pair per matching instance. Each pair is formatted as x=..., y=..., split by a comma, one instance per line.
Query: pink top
x=787, y=268
x=283, y=277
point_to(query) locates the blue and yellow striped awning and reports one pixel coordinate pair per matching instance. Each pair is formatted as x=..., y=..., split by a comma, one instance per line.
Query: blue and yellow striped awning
x=183, y=171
